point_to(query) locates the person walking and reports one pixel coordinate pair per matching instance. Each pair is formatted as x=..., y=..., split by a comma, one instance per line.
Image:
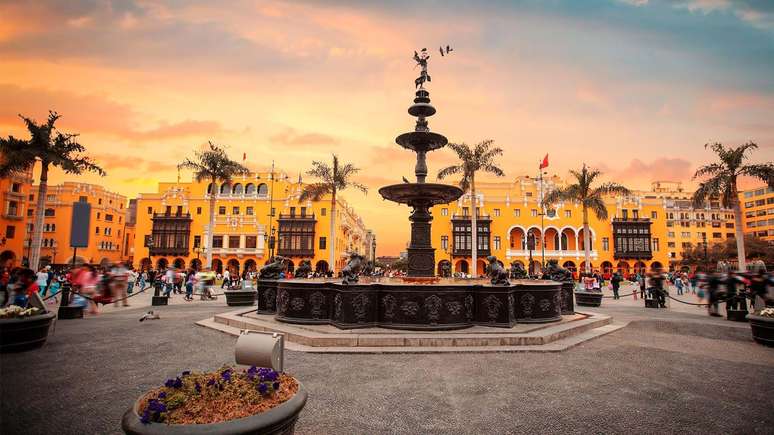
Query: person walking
x=641, y=282
x=615, y=282
x=169, y=281
x=226, y=279
x=131, y=279
x=190, y=281
x=679, y=285
x=42, y=281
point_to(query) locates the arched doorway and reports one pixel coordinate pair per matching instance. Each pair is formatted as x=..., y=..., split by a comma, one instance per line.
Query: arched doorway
x=570, y=265
x=179, y=263
x=461, y=266
x=212, y=188
x=535, y=268
x=517, y=238
x=623, y=268
x=217, y=265
x=607, y=268
x=568, y=239
x=441, y=266
x=105, y=262
x=639, y=267
x=552, y=239
x=145, y=264
x=250, y=265
x=290, y=267
x=321, y=266
x=481, y=269
x=581, y=238
x=233, y=267
x=196, y=264
x=656, y=265
x=582, y=267
x=162, y=263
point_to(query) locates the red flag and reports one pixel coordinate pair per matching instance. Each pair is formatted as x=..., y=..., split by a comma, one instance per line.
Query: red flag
x=244, y=156
x=544, y=164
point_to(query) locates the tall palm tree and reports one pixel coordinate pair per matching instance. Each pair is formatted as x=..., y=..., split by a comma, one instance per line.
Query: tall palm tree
x=332, y=180
x=54, y=149
x=212, y=164
x=590, y=198
x=479, y=158
x=720, y=181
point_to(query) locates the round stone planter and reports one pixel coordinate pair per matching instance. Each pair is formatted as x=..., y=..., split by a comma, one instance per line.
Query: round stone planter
x=762, y=329
x=736, y=315
x=280, y=420
x=240, y=298
x=588, y=299
x=25, y=333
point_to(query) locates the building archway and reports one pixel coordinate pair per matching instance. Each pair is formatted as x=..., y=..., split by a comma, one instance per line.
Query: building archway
x=250, y=189
x=461, y=266
x=250, y=265
x=225, y=189
x=7, y=259
x=217, y=265
x=196, y=264
x=212, y=188
x=581, y=239
x=233, y=267
x=569, y=239
x=639, y=267
x=607, y=268
x=569, y=265
x=145, y=264
x=552, y=239
x=162, y=263
x=321, y=267
x=623, y=268
x=656, y=265
x=238, y=189
x=263, y=190
x=481, y=269
x=290, y=267
x=441, y=264
x=582, y=267
x=536, y=268
x=517, y=238
x=179, y=263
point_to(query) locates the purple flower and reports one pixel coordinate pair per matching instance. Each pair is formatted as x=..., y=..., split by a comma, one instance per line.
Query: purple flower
x=146, y=417
x=262, y=388
x=275, y=386
x=198, y=388
x=211, y=382
x=178, y=383
x=226, y=376
x=162, y=395
x=169, y=383
x=186, y=373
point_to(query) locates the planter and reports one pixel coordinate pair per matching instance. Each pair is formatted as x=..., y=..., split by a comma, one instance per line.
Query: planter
x=736, y=315
x=160, y=300
x=240, y=298
x=762, y=329
x=588, y=299
x=280, y=420
x=25, y=333
x=70, y=312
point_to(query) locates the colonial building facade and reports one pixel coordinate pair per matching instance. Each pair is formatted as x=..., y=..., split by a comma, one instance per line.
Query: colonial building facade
x=14, y=193
x=256, y=216
x=646, y=230
x=758, y=212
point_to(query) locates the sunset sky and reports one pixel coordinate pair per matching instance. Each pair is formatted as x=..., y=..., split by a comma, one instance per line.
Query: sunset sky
x=633, y=87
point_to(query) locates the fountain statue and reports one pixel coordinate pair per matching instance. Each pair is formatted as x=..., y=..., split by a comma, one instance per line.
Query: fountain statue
x=420, y=196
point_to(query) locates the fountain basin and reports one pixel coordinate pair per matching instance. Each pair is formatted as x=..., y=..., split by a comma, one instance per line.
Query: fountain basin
x=422, y=193
x=422, y=141
x=392, y=303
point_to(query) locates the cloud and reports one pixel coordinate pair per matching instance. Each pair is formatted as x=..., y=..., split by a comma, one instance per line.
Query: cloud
x=639, y=174
x=290, y=136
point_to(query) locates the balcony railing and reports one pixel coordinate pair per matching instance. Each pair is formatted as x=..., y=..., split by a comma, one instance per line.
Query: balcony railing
x=172, y=216
x=552, y=253
x=466, y=252
x=295, y=252
x=288, y=216
x=467, y=217
x=170, y=251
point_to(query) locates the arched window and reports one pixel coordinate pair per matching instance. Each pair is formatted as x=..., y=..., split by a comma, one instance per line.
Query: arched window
x=237, y=189
x=263, y=189
x=250, y=189
x=211, y=188
x=53, y=227
x=225, y=189
x=564, y=242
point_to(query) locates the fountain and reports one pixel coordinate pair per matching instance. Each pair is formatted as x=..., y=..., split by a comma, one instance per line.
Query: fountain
x=420, y=301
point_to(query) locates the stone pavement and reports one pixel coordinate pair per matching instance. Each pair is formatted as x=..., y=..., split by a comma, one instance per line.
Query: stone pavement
x=667, y=371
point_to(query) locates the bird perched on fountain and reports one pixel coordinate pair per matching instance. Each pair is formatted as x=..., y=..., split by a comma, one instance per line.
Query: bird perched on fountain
x=405, y=180
x=150, y=315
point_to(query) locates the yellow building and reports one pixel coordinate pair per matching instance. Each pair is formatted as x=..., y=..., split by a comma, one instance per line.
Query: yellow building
x=643, y=231
x=14, y=193
x=171, y=225
x=106, y=224
x=758, y=212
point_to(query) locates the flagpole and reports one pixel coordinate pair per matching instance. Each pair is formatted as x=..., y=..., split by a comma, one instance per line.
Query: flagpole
x=542, y=223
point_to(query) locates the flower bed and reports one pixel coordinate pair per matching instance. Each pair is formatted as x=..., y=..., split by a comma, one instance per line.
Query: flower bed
x=257, y=400
x=16, y=312
x=23, y=329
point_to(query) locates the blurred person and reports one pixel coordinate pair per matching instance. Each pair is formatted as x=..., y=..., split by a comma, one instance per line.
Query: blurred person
x=169, y=281
x=42, y=281
x=615, y=282
x=190, y=281
x=118, y=283
x=85, y=280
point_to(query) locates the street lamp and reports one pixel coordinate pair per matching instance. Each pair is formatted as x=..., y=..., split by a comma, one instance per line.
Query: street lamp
x=272, y=242
x=530, y=247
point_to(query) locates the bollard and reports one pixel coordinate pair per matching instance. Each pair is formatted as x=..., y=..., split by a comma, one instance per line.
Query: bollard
x=157, y=298
x=67, y=311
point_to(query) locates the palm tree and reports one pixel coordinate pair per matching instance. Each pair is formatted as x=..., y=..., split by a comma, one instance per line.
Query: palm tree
x=590, y=199
x=213, y=164
x=472, y=160
x=720, y=181
x=332, y=180
x=54, y=149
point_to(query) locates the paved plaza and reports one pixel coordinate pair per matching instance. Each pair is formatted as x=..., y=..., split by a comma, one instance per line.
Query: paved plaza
x=667, y=371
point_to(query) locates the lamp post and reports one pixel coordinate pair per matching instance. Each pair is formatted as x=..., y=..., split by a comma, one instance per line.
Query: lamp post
x=530, y=247
x=542, y=225
x=272, y=242
x=706, y=256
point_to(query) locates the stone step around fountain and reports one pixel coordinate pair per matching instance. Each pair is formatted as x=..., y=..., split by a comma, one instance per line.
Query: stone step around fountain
x=557, y=337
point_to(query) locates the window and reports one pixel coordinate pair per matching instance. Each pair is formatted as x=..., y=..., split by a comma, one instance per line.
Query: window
x=759, y=202
x=198, y=210
x=251, y=242
x=654, y=242
x=96, y=230
x=10, y=231
x=445, y=243
x=235, y=210
x=233, y=241
x=32, y=197
x=50, y=197
x=465, y=211
x=671, y=234
x=179, y=211
x=686, y=245
x=303, y=211
x=197, y=242
x=13, y=208
x=497, y=242
x=82, y=199
x=636, y=214
x=217, y=241
x=749, y=204
x=273, y=211
x=533, y=212
x=49, y=212
x=109, y=217
x=529, y=193
x=625, y=214
x=323, y=212
x=568, y=213
x=249, y=210
x=108, y=231
x=150, y=210
x=168, y=210
x=444, y=211
x=222, y=210
x=716, y=235
x=760, y=192
x=99, y=201
x=292, y=211
x=731, y=235
x=516, y=212
x=497, y=212
x=16, y=187
x=770, y=200
x=685, y=235
x=605, y=243
x=748, y=194
x=323, y=241
x=749, y=214
x=670, y=244
x=30, y=212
